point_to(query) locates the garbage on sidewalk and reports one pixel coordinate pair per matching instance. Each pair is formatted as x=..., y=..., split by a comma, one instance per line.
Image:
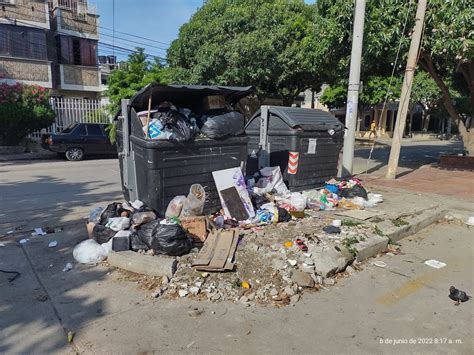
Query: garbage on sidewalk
x=274, y=241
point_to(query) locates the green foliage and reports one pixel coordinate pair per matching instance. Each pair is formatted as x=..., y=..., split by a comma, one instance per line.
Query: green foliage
x=136, y=73
x=111, y=129
x=351, y=223
x=349, y=244
x=399, y=222
x=23, y=109
x=100, y=115
x=334, y=96
x=424, y=90
x=268, y=44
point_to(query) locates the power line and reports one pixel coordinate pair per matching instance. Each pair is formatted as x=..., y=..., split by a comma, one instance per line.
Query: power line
x=105, y=28
x=147, y=54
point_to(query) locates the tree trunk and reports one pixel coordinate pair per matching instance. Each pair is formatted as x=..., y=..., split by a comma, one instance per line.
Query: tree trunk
x=467, y=137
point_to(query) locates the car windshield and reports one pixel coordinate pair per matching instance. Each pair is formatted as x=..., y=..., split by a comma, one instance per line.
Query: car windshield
x=69, y=128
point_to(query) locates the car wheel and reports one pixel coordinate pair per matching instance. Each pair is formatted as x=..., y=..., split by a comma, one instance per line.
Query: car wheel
x=74, y=154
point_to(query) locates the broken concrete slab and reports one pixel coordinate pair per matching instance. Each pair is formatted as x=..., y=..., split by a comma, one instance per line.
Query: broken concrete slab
x=302, y=279
x=143, y=264
x=370, y=247
x=328, y=262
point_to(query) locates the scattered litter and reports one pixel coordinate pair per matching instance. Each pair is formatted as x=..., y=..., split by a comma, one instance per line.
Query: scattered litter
x=288, y=244
x=379, y=264
x=245, y=285
x=137, y=204
x=67, y=267
x=435, y=263
x=470, y=221
x=332, y=230
x=52, y=244
x=336, y=222
x=38, y=231
x=23, y=241
x=89, y=252
x=190, y=344
x=2, y=245
x=70, y=336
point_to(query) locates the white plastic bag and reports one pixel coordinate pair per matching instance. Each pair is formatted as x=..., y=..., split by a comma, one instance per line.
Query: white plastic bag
x=298, y=201
x=107, y=246
x=89, y=252
x=271, y=180
x=118, y=223
x=175, y=206
x=194, y=203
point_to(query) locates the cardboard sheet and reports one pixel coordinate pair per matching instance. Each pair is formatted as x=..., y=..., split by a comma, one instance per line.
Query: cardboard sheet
x=358, y=214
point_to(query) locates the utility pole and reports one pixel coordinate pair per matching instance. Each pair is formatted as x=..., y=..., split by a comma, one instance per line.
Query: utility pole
x=406, y=90
x=353, y=88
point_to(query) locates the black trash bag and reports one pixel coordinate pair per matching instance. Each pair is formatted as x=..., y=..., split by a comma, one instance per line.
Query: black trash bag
x=221, y=124
x=136, y=243
x=112, y=210
x=167, y=239
x=356, y=191
x=177, y=123
x=258, y=201
x=283, y=215
x=101, y=234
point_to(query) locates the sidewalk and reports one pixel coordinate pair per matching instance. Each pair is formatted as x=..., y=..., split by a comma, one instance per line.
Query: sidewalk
x=428, y=179
x=41, y=155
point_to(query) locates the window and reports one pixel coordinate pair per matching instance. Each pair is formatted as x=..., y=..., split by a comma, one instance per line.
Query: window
x=78, y=51
x=22, y=42
x=81, y=131
x=94, y=130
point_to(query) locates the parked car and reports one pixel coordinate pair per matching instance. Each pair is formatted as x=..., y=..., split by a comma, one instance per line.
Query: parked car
x=80, y=139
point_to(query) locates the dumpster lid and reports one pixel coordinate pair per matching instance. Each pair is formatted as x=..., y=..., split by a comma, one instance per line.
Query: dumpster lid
x=304, y=118
x=186, y=95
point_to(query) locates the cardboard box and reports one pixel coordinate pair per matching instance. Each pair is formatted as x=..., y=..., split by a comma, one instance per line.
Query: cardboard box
x=214, y=102
x=196, y=227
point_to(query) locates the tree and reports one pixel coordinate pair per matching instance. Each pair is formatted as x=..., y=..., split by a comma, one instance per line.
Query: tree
x=426, y=93
x=447, y=45
x=132, y=76
x=265, y=43
x=23, y=109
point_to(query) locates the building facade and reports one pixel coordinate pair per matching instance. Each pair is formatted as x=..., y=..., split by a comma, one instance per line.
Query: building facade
x=52, y=44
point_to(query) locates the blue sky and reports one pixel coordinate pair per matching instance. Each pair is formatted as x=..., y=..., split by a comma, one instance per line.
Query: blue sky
x=158, y=20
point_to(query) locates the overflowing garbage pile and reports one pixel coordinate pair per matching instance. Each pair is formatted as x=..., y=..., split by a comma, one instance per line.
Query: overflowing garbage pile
x=214, y=120
x=266, y=244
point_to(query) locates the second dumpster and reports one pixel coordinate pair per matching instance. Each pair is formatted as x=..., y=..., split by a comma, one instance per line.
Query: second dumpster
x=304, y=143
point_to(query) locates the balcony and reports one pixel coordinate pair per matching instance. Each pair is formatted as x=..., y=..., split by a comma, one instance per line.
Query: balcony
x=27, y=71
x=74, y=18
x=79, y=78
x=24, y=13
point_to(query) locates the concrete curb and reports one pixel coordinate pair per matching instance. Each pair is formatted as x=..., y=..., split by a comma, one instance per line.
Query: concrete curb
x=416, y=224
x=143, y=264
x=377, y=244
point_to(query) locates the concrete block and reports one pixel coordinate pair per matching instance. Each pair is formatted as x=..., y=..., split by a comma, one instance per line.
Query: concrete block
x=330, y=261
x=370, y=247
x=416, y=224
x=143, y=264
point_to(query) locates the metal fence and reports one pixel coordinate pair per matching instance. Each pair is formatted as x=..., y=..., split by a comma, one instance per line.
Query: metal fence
x=70, y=110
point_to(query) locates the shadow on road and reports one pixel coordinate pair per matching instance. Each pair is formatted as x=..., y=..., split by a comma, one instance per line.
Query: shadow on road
x=411, y=156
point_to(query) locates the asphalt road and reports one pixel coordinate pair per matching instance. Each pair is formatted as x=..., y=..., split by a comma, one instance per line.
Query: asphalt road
x=59, y=191
x=412, y=155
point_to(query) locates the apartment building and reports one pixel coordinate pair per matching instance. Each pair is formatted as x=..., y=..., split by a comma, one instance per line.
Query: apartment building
x=52, y=44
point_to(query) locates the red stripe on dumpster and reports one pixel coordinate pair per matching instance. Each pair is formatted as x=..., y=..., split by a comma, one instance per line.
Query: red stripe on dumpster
x=293, y=163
